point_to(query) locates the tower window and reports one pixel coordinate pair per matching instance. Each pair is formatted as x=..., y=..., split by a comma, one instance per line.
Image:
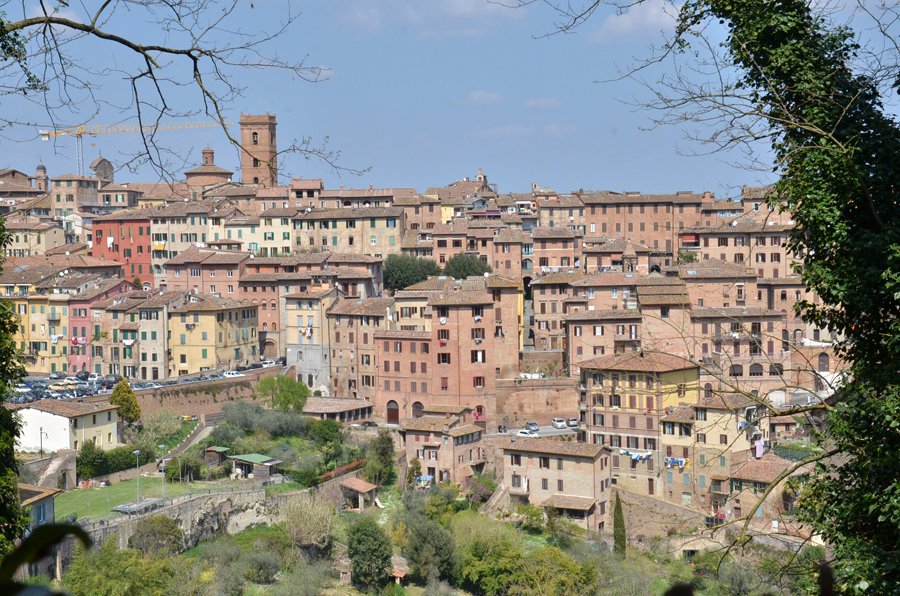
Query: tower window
x=255, y=137
x=255, y=163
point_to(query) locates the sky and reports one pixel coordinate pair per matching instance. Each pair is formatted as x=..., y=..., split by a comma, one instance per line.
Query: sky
x=420, y=93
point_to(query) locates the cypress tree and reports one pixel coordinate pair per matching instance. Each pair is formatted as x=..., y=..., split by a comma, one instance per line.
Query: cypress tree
x=620, y=538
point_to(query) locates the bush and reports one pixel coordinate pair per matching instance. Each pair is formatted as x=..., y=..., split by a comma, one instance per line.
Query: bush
x=305, y=580
x=243, y=415
x=186, y=467
x=92, y=461
x=157, y=535
x=370, y=553
x=325, y=431
x=261, y=567
x=531, y=518
x=225, y=435
x=429, y=549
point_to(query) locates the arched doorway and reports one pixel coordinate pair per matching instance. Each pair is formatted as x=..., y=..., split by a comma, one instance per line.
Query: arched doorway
x=527, y=283
x=823, y=362
x=393, y=412
x=268, y=350
x=418, y=409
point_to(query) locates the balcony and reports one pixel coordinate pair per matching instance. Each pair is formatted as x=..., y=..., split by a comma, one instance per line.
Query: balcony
x=53, y=316
x=719, y=487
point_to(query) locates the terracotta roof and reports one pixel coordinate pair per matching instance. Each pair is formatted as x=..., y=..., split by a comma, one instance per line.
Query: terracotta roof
x=355, y=213
x=362, y=193
x=614, y=246
x=560, y=277
x=614, y=279
x=65, y=408
x=729, y=401
x=333, y=405
x=377, y=307
x=29, y=493
x=782, y=420
x=209, y=169
x=204, y=302
x=766, y=469
x=602, y=315
x=432, y=424
x=358, y=485
x=208, y=256
x=402, y=334
x=462, y=298
x=611, y=197
x=446, y=409
x=466, y=429
x=571, y=502
x=663, y=295
x=710, y=269
x=281, y=212
x=552, y=446
x=792, y=280
x=496, y=281
x=639, y=362
x=71, y=248
x=680, y=414
x=541, y=233
x=306, y=184
x=350, y=257
x=162, y=190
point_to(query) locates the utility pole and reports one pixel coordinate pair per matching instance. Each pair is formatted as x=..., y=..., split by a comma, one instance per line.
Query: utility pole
x=137, y=471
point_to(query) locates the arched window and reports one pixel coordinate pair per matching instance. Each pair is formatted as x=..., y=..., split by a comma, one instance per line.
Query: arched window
x=784, y=295
x=272, y=304
x=255, y=138
x=756, y=370
x=707, y=390
x=776, y=370
x=736, y=370
x=823, y=362
x=785, y=340
x=265, y=326
x=798, y=336
x=274, y=326
x=418, y=409
x=256, y=180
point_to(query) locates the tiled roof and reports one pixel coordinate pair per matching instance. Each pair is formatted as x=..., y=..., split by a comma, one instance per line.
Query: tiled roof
x=571, y=502
x=615, y=279
x=462, y=298
x=355, y=213
x=280, y=212
x=377, y=307
x=766, y=469
x=358, y=485
x=402, y=334
x=126, y=215
x=207, y=256
x=683, y=414
x=29, y=493
x=560, y=277
x=603, y=315
x=729, y=401
x=552, y=446
x=710, y=269
x=540, y=233
x=446, y=409
x=466, y=429
x=431, y=424
x=212, y=303
x=615, y=246
x=65, y=408
x=333, y=405
x=612, y=198
x=496, y=281
x=638, y=362
x=363, y=193
x=66, y=249
x=208, y=169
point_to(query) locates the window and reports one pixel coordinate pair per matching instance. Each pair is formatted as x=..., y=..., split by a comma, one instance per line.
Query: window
x=443, y=358
x=478, y=382
x=515, y=459
x=478, y=356
x=701, y=438
x=559, y=485
x=544, y=463
x=723, y=439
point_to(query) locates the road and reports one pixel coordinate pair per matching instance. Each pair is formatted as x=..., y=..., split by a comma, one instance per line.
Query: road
x=543, y=431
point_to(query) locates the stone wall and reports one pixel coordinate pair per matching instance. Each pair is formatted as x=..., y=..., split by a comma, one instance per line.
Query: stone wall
x=198, y=399
x=521, y=400
x=646, y=517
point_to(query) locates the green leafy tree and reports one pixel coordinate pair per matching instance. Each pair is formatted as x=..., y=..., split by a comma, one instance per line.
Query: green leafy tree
x=413, y=471
x=620, y=537
x=401, y=271
x=429, y=549
x=157, y=535
x=325, y=432
x=490, y=553
x=283, y=393
x=463, y=265
x=549, y=570
x=380, y=458
x=126, y=403
x=370, y=553
x=13, y=521
x=108, y=570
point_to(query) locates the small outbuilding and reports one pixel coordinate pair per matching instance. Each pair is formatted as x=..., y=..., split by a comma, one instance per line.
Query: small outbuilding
x=216, y=455
x=356, y=490
x=253, y=465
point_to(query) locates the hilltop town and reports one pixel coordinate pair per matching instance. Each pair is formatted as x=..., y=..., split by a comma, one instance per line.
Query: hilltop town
x=571, y=345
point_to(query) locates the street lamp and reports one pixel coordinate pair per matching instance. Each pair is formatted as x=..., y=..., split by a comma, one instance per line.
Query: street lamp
x=162, y=449
x=137, y=471
x=43, y=434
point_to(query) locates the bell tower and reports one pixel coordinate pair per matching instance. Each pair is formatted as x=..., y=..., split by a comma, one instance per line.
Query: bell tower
x=260, y=166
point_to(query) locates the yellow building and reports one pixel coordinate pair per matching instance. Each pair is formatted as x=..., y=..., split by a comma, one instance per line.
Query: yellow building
x=622, y=400
x=212, y=333
x=29, y=236
x=42, y=335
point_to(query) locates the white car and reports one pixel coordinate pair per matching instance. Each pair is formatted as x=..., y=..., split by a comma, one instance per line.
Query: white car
x=267, y=363
x=231, y=374
x=558, y=423
x=526, y=433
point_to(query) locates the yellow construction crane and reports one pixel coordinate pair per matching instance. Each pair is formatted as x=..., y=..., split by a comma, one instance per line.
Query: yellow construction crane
x=100, y=129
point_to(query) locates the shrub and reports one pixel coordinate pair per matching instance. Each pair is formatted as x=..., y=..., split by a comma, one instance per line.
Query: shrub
x=261, y=567
x=370, y=553
x=157, y=535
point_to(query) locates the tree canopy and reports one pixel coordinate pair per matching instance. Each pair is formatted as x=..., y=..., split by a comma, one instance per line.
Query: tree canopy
x=370, y=553
x=126, y=403
x=380, y=458
x=463, y=265
x=283, y=393
x=157, y=535
x=401, y=271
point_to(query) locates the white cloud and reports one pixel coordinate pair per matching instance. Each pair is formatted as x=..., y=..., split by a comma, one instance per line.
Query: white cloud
x=481, y=97
x=454, y=18
x=509, y=131
x=555, y=129
x=362, y=17
x=542, y=103
x=638, y=21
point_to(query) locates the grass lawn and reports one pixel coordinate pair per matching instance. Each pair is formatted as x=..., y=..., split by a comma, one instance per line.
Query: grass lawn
x=178, y=436
x=96, y=503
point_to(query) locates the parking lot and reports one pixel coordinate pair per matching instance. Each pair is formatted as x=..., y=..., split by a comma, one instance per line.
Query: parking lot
x=33, y=387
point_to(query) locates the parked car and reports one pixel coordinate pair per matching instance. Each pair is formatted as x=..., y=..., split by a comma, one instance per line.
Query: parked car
x=572, y=422
x=232, y=374
x=369, y=424
x=72, y=380
x=255, y=366
x=83, y=375
x=532, y=426
x=94, y=377
x=281, y=361
x=241, y=368
x=56, y=375
x=558, y=423
x=267, y=363
x=526, y=433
